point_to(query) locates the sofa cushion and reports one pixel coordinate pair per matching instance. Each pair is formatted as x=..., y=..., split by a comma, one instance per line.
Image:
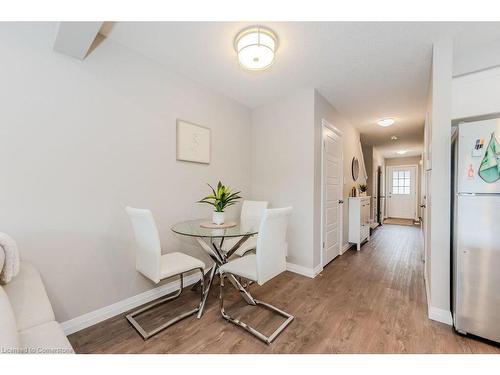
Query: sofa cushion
x=8, y=330
x=46, y=338
x=2, y=259
x=28, y=298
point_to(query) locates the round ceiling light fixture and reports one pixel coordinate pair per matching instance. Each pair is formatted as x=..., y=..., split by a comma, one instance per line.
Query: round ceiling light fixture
x=386, y=122
x=401, y=152
x=256, y=47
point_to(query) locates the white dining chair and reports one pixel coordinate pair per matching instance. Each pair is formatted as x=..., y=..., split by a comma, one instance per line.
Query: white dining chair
x=251, y=215
x=156, y=267
x=268, y=262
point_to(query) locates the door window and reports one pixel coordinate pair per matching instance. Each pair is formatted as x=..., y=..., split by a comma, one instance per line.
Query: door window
x=401, y=182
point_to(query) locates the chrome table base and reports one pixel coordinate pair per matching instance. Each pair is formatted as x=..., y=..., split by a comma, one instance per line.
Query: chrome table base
x=220, y=257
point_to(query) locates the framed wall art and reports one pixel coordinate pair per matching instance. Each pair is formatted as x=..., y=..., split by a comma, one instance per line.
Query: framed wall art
x=193, y=142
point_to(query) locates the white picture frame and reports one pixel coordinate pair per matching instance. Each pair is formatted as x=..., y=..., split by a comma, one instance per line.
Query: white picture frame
x=193, y=142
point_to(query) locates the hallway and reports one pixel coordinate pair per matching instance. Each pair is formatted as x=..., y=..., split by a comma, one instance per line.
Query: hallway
x=372, y=301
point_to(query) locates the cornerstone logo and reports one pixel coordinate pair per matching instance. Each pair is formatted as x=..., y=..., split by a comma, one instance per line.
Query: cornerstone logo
x=34, y=350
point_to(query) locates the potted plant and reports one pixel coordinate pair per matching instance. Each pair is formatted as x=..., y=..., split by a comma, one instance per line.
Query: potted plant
x=221, y=198
x=363, y=188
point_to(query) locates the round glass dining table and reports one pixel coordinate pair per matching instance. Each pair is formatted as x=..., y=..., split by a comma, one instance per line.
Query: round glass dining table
x=211, y=240
x=193, y=228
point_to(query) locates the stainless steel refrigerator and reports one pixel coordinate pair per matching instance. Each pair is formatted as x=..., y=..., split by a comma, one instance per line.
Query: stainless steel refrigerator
x=476, y=230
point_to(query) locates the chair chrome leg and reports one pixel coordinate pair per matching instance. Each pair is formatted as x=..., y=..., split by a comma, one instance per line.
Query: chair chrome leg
x=245, y=283
x=146, y=335
x=244, y=293
x=195, y=286
x=267, y=339
x=202, y=289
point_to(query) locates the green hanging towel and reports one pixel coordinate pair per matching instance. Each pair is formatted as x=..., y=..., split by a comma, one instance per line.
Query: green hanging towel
x=490, y=167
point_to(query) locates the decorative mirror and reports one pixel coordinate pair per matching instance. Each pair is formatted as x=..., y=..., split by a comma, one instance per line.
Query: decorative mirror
x=355, y=168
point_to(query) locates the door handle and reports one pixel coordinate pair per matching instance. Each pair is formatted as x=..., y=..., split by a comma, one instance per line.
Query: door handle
x=423, y=206
x=341, y=201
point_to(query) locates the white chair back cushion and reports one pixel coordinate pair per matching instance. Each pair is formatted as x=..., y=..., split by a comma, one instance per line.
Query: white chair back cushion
x=148, y=250
x=8, y=328
x=271, y=244
x=252, y=212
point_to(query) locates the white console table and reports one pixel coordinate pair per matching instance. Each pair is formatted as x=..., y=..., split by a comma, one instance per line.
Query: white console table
x=359, y=220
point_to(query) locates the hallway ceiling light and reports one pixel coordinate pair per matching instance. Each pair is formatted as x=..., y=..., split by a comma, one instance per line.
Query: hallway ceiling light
x=256, y=47
x=401, y=152
x=386, y=122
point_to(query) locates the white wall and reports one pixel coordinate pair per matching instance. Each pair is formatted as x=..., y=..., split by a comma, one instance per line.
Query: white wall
x=80, y=140
x=476, y=57
x=351, y=138
x=286, y=168
x=283, y=166
x=427, y=177
x=438, y=175
x=368, y=158
x=476, y=95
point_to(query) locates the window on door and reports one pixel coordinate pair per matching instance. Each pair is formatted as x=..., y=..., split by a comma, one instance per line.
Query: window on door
x=401, y=182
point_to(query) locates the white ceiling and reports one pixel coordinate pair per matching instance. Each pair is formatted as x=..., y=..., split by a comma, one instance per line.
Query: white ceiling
x=366, y=70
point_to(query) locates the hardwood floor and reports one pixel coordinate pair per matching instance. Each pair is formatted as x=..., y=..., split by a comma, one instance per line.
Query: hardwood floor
x=372, y=301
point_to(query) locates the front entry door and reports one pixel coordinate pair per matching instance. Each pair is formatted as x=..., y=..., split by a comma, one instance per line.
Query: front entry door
x=332, y=195
x=401, y=199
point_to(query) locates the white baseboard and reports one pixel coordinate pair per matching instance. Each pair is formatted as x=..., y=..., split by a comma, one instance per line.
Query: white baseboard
x=440, y=315
x=435, y=313
x=99, y=315
x=346, y=247
x=301, y=270
x=317, y=270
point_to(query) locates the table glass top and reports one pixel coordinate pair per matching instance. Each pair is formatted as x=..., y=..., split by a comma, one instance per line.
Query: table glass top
x=193, y=228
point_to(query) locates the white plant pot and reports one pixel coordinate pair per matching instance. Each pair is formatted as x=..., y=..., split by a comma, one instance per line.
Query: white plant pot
x=218, y=218
x=218, y=232
x=362, y=194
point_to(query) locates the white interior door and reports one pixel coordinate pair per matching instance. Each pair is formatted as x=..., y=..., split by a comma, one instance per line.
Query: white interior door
x=332, y=195
x=401, y=188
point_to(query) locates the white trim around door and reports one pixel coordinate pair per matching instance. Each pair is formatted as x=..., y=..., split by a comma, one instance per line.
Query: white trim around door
x=331, y=186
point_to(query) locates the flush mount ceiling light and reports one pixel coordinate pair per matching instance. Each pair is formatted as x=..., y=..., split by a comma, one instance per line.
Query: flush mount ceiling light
x=385, y=122
x=401, y=152
x=256, y=47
